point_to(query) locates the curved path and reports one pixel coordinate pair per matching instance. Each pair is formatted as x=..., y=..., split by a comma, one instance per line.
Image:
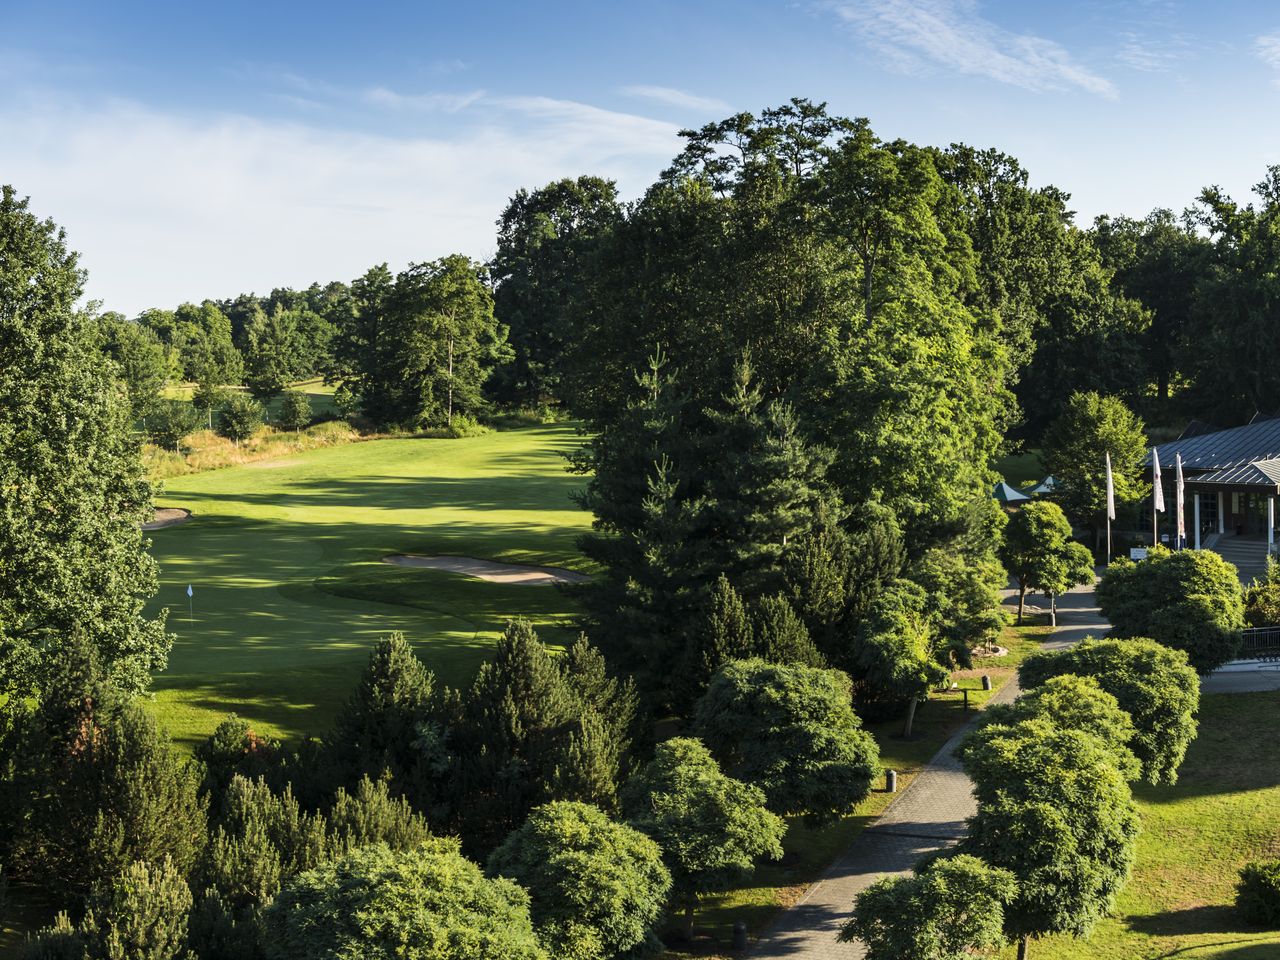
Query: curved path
x=929, y=815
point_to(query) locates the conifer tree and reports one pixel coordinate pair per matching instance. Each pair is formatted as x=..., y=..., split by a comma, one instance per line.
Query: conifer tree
x=613, y=699
x=781, y=636
x=143, y=915
x=373, y=815
x=724, y=633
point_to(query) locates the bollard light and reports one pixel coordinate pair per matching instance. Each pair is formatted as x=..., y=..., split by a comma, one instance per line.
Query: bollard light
x=891, y=781
x=986, y=682
x=739, y=936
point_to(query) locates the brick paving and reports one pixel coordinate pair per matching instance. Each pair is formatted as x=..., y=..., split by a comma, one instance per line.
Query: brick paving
x=928, y=816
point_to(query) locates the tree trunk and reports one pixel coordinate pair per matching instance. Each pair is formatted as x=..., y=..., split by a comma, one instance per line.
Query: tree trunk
x=1022, y=600
x=688, y=919
x=1053, y=609
x=911, y=717
x=1022, y=948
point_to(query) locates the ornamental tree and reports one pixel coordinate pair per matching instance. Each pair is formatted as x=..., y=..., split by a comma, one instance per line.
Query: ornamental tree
x=1190, y=600
x=1152, y=683
x=789, y=729
x=1055, y=811
x=948, y=909
x=72, y=554
x=239, y=418
x=712, y=828
x=1040, y=555
x=596, y=887
x=170, y=422
x=429, y=903
x=295, y=410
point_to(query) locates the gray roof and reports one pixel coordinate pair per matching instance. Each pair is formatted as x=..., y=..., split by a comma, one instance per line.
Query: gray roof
x=1243, y=456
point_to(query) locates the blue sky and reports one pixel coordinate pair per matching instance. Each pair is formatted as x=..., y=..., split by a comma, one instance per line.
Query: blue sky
x=203, y=150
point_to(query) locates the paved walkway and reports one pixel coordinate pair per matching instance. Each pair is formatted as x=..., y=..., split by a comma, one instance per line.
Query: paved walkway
x=929, y=815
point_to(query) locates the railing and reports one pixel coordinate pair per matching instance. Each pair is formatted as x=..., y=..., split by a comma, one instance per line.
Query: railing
x=1259, y=642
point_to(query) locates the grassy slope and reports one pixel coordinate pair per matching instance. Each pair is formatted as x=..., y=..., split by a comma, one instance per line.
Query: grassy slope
x=289, y=591
x=1019, y=469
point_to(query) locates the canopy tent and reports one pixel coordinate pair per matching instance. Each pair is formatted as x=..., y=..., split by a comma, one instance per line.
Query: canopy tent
x=1047, y=485
x=1007, y=494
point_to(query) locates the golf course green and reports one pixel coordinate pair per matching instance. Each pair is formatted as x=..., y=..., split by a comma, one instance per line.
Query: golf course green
x=284, y=559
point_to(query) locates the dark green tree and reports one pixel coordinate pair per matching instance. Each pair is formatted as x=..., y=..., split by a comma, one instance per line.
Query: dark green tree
x=1190, y=600
x=1040, y=555
x=170, y=423
x=780, y=636
x=140, y=362
x=233, y=748
x=1152, y=683
x=239, y=419
x=711, y=828
x=597, y=888
x=72, y=556
x=373, y=815
x=790, y=730
x=295, y=410
x=202, y=339
x=270, y=361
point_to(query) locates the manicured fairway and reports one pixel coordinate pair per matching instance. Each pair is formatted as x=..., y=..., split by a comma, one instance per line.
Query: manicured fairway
x=284, y=558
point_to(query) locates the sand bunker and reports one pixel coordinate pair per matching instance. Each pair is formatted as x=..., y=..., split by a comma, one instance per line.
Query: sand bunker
x=512, y=573
x=167, y=517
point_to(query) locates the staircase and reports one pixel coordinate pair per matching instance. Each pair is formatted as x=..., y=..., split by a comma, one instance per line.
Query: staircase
x=1248, y=554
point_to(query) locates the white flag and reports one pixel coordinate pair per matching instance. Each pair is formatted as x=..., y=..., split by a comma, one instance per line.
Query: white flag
x=1111, y=491
x=1182, y=519
x=189, y=590
x=1157, y=486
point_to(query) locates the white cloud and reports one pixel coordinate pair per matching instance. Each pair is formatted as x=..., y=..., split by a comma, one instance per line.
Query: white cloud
x=953, y=35
x=1268, y=48
x=676, y=98
x=1150, y=55
x=166, y=208
x=448, y=102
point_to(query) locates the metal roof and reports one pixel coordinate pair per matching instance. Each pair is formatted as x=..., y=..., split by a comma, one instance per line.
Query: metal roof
x=1243, y=456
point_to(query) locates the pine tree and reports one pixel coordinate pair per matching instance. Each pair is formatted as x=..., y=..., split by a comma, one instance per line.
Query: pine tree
x=614, y=700
x=143, y=915
x=781, y=636
x=373, y=815
x=726, y=633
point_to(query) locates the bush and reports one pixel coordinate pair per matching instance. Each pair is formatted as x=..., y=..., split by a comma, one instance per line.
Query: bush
x=1150, y=682
x=1258, y=893
x=1262, y=598
x=597, y=887
x=239, y=419
x=428, y=904
x=1190, y=600
x=171, y=421
x=295, y=410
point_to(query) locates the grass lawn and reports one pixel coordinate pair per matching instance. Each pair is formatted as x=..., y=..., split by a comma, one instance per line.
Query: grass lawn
x=284, y=558
x=1019, y=469
x=318, y=392
x=1224, y=811
x=808, y=852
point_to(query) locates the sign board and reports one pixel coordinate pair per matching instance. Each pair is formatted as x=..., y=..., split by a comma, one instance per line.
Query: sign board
x=1137, y=553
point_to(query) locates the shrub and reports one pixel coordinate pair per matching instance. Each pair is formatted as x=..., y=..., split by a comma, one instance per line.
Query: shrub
x=295, y=410
x=597, y=887
x=1258, y=893
x=1262, y=598
x=1190, y=600
x=428, y=903
x=170, y=422
x=233, y=748
x=1150, y=682
x=239, y=418
x=790, y=730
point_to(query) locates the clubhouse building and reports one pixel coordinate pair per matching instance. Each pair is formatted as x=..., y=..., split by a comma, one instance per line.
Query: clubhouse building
x=1232, y=479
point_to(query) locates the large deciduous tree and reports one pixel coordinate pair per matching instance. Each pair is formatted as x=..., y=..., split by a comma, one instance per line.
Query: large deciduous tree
x=1039, y=554
x=72, y=488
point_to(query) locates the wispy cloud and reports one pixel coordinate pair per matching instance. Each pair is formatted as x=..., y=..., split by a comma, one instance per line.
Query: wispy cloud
x=1268, y=48
x=1154, y=55
x=427, y=102
x=952, y=34
x=672, y=97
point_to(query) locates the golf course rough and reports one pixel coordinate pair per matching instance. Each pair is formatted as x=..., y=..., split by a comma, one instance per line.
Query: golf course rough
x=290, y=588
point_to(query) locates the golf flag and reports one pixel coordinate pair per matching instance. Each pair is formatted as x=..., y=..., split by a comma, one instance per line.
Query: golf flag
x=190, y=592
x=1111, y=491
x=1182, y=520
x=1155, y=480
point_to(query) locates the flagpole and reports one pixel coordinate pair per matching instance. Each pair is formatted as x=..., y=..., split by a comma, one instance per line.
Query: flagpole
x=1111, y=506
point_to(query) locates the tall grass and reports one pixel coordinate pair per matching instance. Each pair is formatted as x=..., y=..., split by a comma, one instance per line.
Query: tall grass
x=205, y=450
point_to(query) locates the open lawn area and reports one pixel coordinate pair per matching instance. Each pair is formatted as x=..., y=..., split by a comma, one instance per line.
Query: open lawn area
x=1020, y=469
x=284, y=557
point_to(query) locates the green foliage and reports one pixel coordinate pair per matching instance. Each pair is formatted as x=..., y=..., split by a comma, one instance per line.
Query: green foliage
x=422, y=904
x=143, y=915
x=140, y=360
x=948, y=909
x=1262, y=598
x=373, y=815
x=1054, y=810
x=597, y=887
x=891, y=659
x=208, y=397
x=962, y=600
x=790, y=730
x=170, y=422
x=780, y=636
x=1190, y=600
x=1258, y=893
x=1070, y=702
x=1074, y=451
x=215, y=934
x=233, y=748
x=1039, y=553
x=270, y=357
x=1152, y=683
x=71, y=551
x=201, y=337
x=239, y=418
x=712, y=829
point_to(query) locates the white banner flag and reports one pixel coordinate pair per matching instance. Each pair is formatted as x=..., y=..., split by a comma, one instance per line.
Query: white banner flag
x=1111, y=491
x=1182, y=519
x=1156, y=486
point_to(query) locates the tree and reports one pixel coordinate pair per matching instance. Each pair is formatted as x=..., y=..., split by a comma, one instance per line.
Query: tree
x=1070, y=702
x=170, y=423
x=201, y=335
x=1190, y=600
x=1262, y=598
x=1152, y=683
x=1075, y=449
x=295, y=410
x=1040, y=555
x=72, y=555
x=596, y=887
x=240, y=418
x=963, y=600
x=270, y=357
x=790, y=730
x=140, y=362
x=711, y=828
x=233, y=748
x=780, y=636
x=429, y=903
x=209, y=396
x=1054, y=810
x=948, y=909
x=373, y=815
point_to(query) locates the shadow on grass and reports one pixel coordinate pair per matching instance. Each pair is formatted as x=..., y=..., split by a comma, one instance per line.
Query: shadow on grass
x=1246, y=950
x=1207, y=918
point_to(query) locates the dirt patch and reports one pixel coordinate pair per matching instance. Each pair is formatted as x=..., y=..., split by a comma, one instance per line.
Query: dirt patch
x=516, y=574
x=167, y=517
